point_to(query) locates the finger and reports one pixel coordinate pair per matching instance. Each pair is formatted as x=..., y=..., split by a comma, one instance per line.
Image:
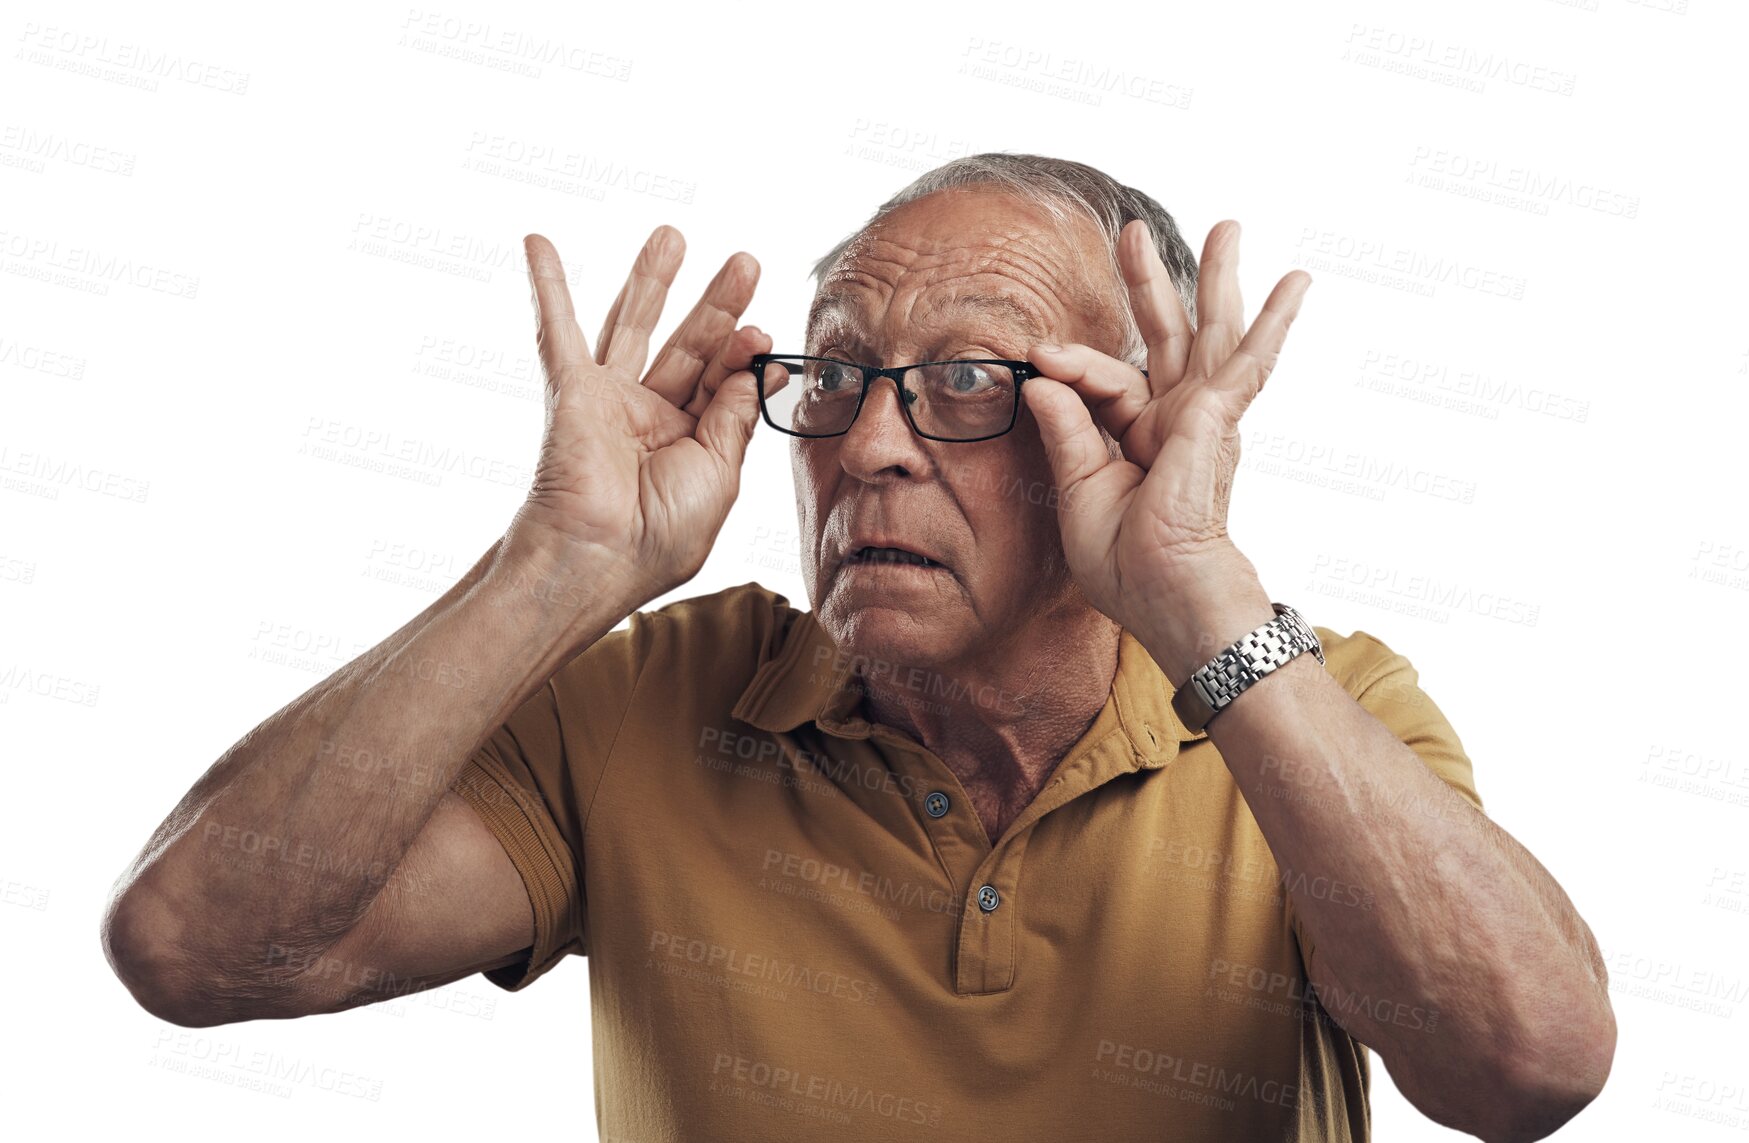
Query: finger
x=1073, y=445
x=728, y=421
x=1250, y=365
x=556, y=333
x=1220, y=313
x=734, y=354
x=688, y=358
x=1115, y=391
x=624, y=344
x=1160, y=316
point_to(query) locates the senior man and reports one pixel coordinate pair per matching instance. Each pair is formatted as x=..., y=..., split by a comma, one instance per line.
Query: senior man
x=1045, y=822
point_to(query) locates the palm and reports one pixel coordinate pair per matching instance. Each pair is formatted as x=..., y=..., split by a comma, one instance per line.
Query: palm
x=611, y=474
x=1124, y=518
x=1133, y=524
x=643, y=471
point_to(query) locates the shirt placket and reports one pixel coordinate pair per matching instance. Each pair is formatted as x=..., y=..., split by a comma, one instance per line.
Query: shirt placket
x=986, y=880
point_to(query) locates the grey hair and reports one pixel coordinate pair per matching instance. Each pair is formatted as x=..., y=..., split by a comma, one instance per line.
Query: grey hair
x=1059, y=186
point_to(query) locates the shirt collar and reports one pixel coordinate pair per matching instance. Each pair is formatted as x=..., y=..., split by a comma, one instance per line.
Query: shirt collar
x=806, y=680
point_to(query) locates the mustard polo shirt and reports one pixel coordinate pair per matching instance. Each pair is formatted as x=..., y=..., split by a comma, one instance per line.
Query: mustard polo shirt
x=796, y=927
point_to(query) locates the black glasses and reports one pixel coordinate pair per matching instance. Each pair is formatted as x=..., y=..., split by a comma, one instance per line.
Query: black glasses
x=960, y=400
x=965, y=399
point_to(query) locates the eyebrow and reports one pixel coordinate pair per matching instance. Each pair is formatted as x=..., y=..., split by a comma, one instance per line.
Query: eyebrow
x=839, y=310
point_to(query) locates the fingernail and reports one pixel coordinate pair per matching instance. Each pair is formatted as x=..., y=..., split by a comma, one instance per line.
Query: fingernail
x=1049, y=347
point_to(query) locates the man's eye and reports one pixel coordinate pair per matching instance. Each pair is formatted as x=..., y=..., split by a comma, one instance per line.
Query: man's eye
x=966, y=379
x=831, y=377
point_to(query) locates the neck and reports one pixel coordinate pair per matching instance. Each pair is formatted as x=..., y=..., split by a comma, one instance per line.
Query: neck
x=1005, y=714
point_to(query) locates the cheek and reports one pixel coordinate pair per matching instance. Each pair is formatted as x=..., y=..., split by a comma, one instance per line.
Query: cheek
x=1006, y=524
x=1031, y=501
x=811, y=471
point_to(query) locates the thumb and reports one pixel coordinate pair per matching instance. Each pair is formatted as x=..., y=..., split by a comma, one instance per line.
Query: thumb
x=1073, y=444
x=727, y=423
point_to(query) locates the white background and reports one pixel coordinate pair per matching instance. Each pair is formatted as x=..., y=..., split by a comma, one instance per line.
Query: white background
x=228, y=239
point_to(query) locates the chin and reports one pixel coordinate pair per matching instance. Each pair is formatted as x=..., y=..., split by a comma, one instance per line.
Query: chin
x=894, y=630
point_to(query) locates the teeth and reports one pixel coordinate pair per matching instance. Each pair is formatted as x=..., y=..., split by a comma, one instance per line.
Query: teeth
x=894, y=556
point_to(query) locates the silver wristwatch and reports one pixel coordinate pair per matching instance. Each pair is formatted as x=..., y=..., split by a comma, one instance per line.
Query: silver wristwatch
x=1219, y=681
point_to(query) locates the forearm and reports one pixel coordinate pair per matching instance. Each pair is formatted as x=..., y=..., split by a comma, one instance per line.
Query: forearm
x=1413, y=900
x=284, y=843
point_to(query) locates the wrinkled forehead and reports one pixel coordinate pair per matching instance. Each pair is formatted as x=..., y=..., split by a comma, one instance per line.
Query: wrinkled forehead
x=972, y=259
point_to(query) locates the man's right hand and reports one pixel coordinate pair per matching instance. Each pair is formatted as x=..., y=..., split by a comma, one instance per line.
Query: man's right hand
x=639, y=472
x=634, y=481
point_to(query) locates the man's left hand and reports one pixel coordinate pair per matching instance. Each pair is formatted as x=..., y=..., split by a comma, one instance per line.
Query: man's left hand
x=1146, y=531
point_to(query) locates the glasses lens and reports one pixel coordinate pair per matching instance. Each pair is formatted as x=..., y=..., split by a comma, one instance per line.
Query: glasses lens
x=962, y=400
x=811, y=396
x=951, y=400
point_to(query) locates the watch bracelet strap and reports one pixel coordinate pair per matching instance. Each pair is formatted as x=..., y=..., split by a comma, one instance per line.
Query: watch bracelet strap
x=1212, y=687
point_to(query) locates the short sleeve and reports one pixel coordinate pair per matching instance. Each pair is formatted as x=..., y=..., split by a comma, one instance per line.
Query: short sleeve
x=534, y=780
x=1392, y=694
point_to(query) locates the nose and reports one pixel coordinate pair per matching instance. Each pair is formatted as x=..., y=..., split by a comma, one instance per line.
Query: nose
x=881, y=436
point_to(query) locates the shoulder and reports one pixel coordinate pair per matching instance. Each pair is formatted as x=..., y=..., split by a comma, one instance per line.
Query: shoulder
x=1359, y=659
x=744, y=624
x=751, y=601
x=679, y=665
x=1387, y=685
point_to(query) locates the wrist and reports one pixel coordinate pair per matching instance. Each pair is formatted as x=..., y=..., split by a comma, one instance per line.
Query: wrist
x=1203, y=614
x=561, y=597
x=568, y=568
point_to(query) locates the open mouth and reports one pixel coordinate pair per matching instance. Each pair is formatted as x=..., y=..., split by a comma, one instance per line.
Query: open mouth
x=891, y=556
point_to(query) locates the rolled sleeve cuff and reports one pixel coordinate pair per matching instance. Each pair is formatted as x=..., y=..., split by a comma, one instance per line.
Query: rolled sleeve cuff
x=528, y=835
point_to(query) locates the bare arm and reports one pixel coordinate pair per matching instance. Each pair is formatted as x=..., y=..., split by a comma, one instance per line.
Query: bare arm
x=336, y=811
x=1461, y=920
x=322, y=862
x=1435, y=937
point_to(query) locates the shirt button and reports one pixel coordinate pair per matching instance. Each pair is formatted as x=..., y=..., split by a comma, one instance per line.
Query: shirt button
x=935, y=805
x=988, y=898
